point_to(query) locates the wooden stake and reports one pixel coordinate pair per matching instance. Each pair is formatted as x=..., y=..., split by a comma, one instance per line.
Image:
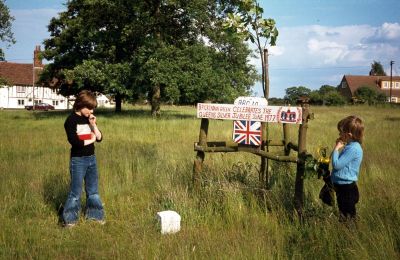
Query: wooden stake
x=198, y=161
x=302, y=142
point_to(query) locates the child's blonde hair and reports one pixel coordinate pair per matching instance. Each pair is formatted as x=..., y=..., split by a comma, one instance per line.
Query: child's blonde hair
x=353, y=125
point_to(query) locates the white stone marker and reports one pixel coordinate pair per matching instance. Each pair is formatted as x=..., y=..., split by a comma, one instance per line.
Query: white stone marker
x=170, y=221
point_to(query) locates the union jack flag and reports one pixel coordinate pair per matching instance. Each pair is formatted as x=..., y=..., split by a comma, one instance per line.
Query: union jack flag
x=247, y=132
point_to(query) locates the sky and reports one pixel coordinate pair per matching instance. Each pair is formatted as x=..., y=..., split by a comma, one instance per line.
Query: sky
x=319, y=40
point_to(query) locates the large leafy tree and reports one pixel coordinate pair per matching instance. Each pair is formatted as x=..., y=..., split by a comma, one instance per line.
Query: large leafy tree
x=6, y=34
x=127, y=48
x=377, y=69
x=294, y=93
x=91, y=46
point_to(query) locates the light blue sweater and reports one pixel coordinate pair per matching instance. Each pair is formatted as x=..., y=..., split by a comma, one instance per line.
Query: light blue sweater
x=346, y=164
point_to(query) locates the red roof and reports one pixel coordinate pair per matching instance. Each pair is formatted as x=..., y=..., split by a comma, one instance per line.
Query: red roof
x=18, y=73
x=355, y=82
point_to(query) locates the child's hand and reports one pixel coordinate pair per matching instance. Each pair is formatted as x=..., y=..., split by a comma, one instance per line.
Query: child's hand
x=339, y=144
x=92, y=120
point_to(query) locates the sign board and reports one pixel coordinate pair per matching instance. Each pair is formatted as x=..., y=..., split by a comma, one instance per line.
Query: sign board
x=251, y=101
x=248, y=132
x=272, y=114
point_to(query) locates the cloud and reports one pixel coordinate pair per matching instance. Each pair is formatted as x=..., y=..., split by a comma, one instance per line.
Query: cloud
x=316, y=55
x=387, y=33
x=332, y=51
x=352, y=45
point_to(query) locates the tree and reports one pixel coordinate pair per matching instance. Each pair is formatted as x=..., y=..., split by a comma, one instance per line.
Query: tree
x=377, y=69
x=132, y=51
x=247, y=21
x=327, y=95
x=6, y=35
x=294, y=93
x=87, y=49
x=334, y=98
x=366, y=94
x=196, y=73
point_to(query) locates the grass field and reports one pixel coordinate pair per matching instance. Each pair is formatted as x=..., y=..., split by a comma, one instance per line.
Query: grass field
x=146, y=166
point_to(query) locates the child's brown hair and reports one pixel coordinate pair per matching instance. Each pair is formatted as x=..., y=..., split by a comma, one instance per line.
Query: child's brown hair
x=85, y=98
x=354, y=126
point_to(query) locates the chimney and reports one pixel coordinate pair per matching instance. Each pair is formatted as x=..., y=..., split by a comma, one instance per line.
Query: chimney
x=37, y=61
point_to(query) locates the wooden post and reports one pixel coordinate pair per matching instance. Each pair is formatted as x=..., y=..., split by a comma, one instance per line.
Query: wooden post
x=286, y=139
x=264, y=175
x=302, y=145
x=198, y=161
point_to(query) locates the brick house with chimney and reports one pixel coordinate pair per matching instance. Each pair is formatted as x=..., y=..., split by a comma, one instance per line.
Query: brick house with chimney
x=21, y=87
x=383, y=84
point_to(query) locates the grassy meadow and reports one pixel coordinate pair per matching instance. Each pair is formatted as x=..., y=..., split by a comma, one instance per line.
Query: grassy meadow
x=145, y=166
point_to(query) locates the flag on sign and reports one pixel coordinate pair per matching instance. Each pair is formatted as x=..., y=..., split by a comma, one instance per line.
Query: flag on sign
x=247, y=132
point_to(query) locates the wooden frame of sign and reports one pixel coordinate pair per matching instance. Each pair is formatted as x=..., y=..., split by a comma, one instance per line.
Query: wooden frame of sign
x=208, y=111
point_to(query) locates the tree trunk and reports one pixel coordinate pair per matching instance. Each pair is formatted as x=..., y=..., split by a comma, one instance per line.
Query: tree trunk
x=118, y=103
x=155, y=101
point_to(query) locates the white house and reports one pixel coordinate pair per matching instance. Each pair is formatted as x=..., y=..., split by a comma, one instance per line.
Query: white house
x=21, y=88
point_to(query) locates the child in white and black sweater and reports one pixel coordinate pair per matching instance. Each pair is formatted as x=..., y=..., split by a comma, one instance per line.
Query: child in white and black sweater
x=82, y=132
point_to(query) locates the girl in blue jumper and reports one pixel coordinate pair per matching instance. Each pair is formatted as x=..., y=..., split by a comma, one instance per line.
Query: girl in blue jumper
x=346, y=160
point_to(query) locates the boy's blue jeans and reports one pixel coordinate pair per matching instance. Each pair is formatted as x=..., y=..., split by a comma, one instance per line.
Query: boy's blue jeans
x=83, y=169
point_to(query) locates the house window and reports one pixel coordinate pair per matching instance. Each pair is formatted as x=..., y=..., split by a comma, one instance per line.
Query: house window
x=397, y=84
x=54, y=91
x=385, y=84
x=21, y=89
x=344, y=84
x=55, y=102
x=21, y=102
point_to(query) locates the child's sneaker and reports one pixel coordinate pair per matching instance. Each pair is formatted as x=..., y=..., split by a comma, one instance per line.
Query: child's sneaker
x=69, y=225
x=98, y=221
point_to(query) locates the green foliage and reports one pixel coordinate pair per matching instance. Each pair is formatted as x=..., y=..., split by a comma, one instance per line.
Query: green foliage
x=327, y=95
x=370, y=96
x=6, y=35
x=294, y=93
x=97, y=76
x=377, y=69
x=130, y=47
x=196, y=73
x=3, y=82
x=246, y=21
x=334, y=98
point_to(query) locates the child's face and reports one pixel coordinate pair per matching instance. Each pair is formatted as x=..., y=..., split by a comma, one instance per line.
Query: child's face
x=86, y=112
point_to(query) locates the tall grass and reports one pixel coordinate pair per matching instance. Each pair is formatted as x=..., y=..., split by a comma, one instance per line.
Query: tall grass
x=146, y=166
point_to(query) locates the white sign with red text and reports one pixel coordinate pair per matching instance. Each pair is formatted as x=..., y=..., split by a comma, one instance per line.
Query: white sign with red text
x=273, y=114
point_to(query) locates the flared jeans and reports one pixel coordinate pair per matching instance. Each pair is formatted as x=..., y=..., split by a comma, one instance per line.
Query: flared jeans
x=83, y=169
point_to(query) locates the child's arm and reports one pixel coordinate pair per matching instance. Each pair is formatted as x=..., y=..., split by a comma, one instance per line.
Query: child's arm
x=70, y=129
x=348, y=154
x=95, y=129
